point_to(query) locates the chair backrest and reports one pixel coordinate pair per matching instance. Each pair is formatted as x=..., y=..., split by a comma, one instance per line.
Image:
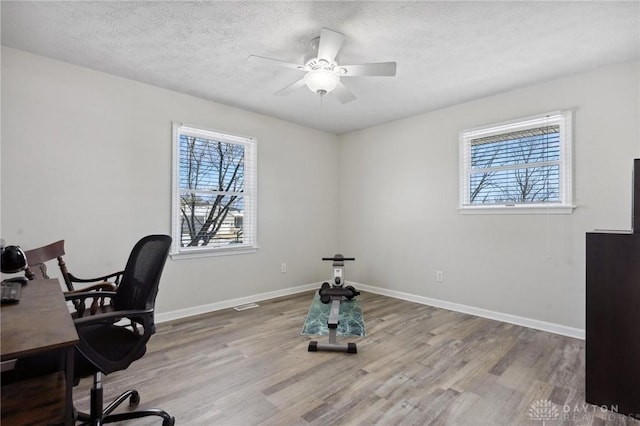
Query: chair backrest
x=37, y=258
x=103, y=345
x=139, y=285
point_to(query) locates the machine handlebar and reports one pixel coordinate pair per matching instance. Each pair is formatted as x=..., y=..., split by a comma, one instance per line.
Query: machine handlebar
x=338, y=257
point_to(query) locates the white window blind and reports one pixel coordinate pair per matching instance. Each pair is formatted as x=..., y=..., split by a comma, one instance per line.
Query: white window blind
x=523, y=164
x=214, y=192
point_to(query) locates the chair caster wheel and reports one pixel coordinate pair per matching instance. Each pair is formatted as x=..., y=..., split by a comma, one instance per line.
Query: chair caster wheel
x=169, y=422
x=134, y=399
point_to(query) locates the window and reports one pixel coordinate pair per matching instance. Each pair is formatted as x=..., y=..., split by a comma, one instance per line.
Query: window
x=214, y=193
x=522, y=166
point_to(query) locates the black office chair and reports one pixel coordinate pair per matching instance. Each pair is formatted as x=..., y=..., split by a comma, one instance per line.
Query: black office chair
x=106, y=346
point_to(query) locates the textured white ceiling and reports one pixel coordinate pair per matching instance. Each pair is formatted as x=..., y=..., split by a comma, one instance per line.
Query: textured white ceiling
x=447, y=52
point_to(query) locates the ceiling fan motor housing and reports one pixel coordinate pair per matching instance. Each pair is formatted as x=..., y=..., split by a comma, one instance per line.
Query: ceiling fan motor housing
x=322, y=64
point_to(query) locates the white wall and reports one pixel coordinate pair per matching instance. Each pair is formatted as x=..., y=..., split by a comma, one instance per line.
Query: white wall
x=399, y=194
x=86, y=157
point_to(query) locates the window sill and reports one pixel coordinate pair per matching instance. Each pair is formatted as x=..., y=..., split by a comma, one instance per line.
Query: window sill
x=195, y=254
x=517, y=209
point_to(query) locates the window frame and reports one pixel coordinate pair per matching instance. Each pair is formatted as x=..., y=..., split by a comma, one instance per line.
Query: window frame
x=565, y=206
x=250, y=195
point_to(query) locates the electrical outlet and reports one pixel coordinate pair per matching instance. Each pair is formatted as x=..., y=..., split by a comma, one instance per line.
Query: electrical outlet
x=439, y=276
x=283, y=268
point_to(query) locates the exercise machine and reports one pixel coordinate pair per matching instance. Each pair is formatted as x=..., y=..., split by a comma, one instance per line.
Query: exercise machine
x=334, y=294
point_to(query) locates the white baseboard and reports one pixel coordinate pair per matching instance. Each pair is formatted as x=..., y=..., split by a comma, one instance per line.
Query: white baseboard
x=225, y=304
x=563, y=330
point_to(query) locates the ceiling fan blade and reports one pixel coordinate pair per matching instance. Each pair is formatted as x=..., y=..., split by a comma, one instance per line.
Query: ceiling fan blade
x=377, y=69
x=330, y=44
x=290, y=88
x=277, y=62
x=343, y=94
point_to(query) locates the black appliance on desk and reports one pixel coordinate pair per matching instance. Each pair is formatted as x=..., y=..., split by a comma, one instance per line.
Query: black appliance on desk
x=12, y=261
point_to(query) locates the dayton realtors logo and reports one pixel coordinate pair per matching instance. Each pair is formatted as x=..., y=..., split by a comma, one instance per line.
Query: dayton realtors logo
x=546, y=411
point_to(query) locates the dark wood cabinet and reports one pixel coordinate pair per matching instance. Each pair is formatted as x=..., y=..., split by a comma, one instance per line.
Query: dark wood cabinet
x=613, y=322
x=613, y=316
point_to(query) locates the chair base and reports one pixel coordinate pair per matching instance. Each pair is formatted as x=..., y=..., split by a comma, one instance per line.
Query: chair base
x=85, y=418
x=100, y=416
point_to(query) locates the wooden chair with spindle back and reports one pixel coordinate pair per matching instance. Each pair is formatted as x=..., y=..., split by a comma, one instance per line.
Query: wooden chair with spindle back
x=37, y=269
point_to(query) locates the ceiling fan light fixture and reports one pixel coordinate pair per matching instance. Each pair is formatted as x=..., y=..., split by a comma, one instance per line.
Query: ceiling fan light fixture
x=321, y=81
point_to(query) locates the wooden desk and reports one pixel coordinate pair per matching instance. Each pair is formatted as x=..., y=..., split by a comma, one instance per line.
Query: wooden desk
x=41, y=322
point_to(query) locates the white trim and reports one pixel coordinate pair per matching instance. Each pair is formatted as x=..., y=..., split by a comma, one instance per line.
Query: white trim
x=515, y=209
x=577, y=333
x=212, y=252
x=531, y=122
x=563, y=330
x=175, y=197
x=226, y=304
x=206, y=133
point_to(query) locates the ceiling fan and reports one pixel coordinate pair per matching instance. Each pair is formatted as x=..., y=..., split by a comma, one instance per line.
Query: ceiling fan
x=322, y=72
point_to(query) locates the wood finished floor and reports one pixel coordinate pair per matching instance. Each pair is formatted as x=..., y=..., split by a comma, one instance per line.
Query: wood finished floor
x=418, y=365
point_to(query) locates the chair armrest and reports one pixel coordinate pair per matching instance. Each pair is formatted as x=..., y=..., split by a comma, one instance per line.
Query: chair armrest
x=101, y=287
x=116, y=275
x=96, y=294
x=110, y=316
x=82, y=295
